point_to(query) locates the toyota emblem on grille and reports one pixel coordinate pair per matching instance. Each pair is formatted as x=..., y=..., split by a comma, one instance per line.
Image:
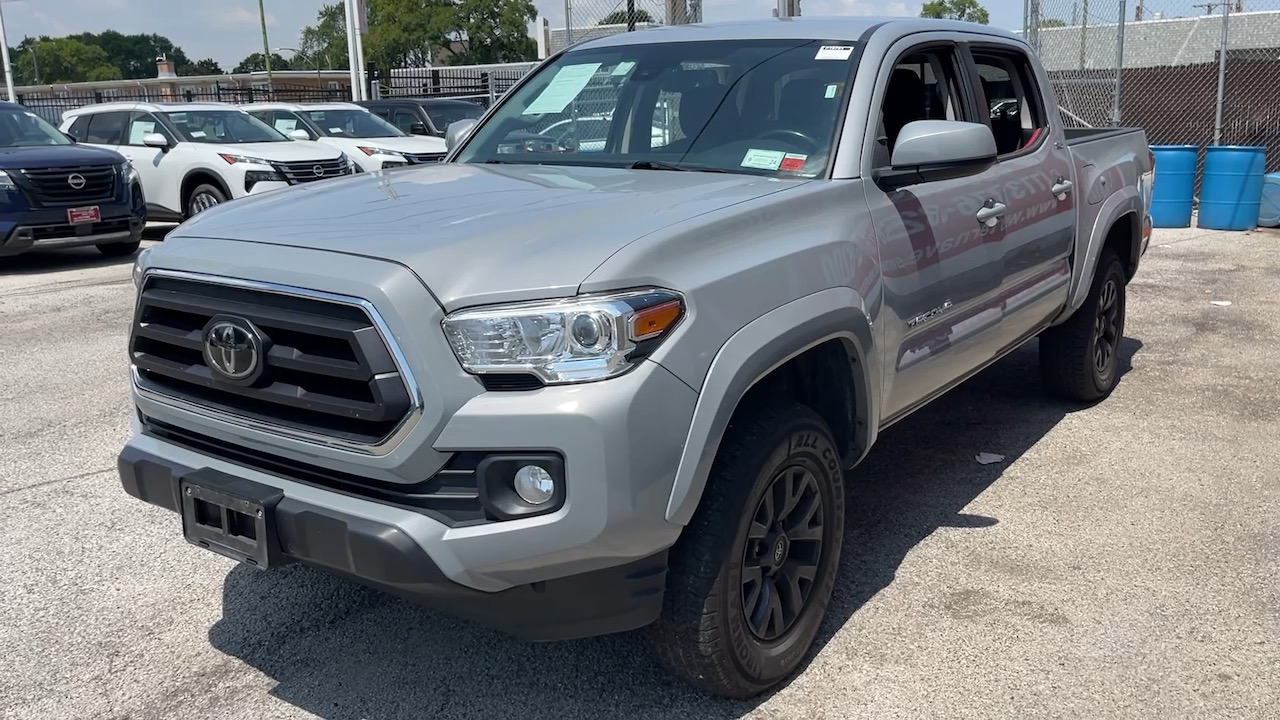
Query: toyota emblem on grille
x=76, y=181
x=318, y=170
x=233, y=349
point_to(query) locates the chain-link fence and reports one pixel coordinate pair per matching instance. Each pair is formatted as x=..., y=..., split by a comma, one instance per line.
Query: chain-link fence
x=589, y=19
x=1188, y=73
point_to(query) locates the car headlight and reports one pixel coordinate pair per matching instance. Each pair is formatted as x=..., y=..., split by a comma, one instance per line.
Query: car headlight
x=126, y=169
x=6, y=182
x=371, y=151
x=246, y=159
x=565, y=341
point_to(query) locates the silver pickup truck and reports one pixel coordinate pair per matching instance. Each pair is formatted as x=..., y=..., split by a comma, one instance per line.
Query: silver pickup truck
x=566, y=390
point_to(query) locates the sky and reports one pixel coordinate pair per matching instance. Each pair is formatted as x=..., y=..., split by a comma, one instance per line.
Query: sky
x=228, y=30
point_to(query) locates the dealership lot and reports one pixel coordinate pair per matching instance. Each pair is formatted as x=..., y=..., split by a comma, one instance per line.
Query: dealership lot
x=1121, y=561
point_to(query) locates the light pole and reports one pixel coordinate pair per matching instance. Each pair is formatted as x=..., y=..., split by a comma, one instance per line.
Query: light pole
x=266, y=51
x=4, y=55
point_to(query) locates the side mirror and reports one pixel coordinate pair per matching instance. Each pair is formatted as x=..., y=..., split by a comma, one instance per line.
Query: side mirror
x=458, y=132
x=156, y=140
x=418, y=128
x=943, y=149
x=300, y=134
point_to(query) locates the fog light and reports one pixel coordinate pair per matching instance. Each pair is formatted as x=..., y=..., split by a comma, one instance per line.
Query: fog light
x=534, y=485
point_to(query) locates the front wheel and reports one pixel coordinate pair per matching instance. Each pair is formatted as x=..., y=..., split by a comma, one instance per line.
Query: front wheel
x=203, y=198
x=751, y=577
x=1080, y=359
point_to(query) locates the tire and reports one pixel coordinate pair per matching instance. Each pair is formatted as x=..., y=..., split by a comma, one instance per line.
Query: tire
x=705, y=634
x=202, y=198
x=121, y=249
x=1080, y=359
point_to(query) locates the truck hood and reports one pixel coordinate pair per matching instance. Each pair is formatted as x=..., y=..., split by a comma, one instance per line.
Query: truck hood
x=49, y=156
x=482, y=233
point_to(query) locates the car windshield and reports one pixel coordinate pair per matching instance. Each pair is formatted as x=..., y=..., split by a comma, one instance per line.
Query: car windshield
x=223, y=127
x=352, y=124
x=766, y=107
x=442, y=116
x=21, y=128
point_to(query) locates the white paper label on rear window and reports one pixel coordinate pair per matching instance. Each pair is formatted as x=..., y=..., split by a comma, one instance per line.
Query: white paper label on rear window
x=763, y=159
x=286, y=126
x=834, y=52
x=563, y=89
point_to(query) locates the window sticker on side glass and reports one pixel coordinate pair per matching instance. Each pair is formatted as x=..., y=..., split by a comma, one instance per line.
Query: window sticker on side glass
x=139, y=130
x=562, y=89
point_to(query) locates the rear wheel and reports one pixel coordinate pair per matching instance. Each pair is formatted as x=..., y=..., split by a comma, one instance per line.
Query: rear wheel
x=203, y=198
x=1080, y=359
x=751, y=577
x=121, y=249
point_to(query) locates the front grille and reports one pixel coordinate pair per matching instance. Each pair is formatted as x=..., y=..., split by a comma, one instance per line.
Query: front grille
x=423, y=158
x=44, y=233
x=452, y=495
x=303, y=172
x=57, y=186
x=327, y=370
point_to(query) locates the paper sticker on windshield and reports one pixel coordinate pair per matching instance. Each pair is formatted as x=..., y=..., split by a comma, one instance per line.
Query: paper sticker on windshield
x=623, y=68
x=563, y=89
x=834, y=52
x=763, y=159
x=831, y=91
x=178, y=118
x=793, y=161
x=198, y=133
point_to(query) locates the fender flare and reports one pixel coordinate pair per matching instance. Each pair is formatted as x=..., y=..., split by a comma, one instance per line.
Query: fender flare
x=754, y=351
x=1114, y=209
x=222, y=184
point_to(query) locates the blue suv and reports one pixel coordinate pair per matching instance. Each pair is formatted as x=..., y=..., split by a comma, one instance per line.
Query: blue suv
x=57, y=194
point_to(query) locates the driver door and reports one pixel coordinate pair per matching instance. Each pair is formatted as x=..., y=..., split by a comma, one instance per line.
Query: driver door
x=159, y=170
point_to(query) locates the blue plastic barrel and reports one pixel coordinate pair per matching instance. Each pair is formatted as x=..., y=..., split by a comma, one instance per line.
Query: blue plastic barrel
x=1269, y=210
x=1175, y=186
x=1231, y=191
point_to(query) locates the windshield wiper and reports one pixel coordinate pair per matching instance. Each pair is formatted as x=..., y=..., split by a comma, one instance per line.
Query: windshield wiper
x=659, y=165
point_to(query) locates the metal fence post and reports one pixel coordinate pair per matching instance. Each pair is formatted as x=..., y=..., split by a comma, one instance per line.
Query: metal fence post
x=1222, y=73
x=1115, y=108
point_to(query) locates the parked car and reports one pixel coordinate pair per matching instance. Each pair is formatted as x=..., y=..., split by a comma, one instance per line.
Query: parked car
x=373, y=143
x=57, y=194
x=424, y=116
x=192, y=156
x=587, y=393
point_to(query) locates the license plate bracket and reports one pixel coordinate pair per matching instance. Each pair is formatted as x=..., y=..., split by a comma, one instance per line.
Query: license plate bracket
x=231, y=516
x=83, y=215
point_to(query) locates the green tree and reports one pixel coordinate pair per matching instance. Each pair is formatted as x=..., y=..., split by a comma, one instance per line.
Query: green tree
x=256, y=63
x=208, y=66
x=61, y=60
x=619, y=17
x=494, y=31
x=966, y=10
x=136, y=55
x=326, y=41
x=1052, y=23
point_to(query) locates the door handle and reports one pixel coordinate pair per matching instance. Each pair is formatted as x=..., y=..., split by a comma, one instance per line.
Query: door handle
x=1061, y=188
x=991, y=213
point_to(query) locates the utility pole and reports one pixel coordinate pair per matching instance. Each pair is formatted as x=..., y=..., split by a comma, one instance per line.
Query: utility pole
x=266, y=48
x=631, y=15
x=787, y=8
x=4, y=55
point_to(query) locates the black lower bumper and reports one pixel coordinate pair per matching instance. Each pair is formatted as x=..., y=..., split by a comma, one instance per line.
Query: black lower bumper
x=384, y=557
x=57, y=235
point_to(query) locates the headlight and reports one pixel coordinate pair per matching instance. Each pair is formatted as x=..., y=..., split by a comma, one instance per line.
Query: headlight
x=246, y=159
x=565, y=341
x=371, y=151
x=6, y=182
x=126, y=169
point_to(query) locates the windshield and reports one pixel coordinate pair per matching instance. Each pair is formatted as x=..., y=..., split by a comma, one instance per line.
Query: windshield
x=442, y=116
x=20, y=128
x=351, y=124
x=223, y=126
x=766, y=107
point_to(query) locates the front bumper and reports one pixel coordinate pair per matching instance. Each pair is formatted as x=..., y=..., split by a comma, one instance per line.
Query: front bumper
x=47, y=228
x=383, y=554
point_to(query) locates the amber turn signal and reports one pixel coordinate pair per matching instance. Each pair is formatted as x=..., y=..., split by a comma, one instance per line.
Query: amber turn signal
x=653, y=321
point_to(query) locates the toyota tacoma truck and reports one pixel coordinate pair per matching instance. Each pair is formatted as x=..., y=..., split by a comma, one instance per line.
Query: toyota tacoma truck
x=565, y=393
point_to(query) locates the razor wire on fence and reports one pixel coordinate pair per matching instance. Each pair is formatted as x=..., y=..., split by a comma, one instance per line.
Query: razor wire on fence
x=1188, y=73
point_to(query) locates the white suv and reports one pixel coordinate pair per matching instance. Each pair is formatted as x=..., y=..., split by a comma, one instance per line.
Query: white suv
x=373, y=143
x=192, y=156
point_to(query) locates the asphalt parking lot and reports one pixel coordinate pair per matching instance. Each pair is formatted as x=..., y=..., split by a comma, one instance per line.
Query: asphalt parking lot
x=1121, y=561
